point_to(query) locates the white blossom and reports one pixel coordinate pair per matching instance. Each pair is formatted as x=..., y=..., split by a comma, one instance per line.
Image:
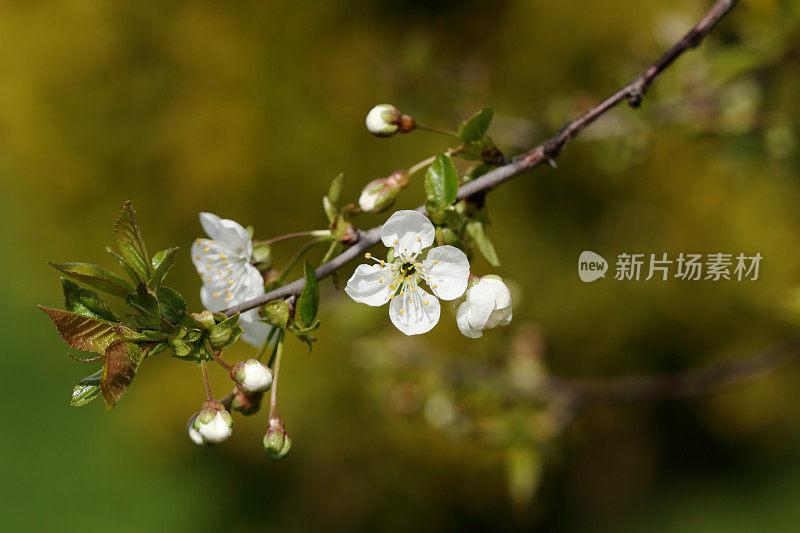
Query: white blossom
x=195, y=435
x=382, y=120
x=223, y=263
x=445, y=270
x=487, y=305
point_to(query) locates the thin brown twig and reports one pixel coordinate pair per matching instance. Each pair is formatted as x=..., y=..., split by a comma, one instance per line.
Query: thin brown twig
x=583, y=392
x=544, y=152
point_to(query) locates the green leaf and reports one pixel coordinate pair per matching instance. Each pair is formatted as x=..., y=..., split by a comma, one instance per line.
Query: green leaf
x=276, y=313
x=171, y=304
x=475, y=128
x=85, y=302
x=441, y=182
x=308, y=302
x=330, y=209
x=162, y=262
x=477, y=232
x=86, y=390
x=85, y=333
x=129, y=242
x=125, y=266
x=95, y=276
x=119, y=368
x=335, y=190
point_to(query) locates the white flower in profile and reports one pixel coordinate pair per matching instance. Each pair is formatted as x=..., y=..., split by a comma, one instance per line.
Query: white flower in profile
x=223, y=263
x=445, y=270
x=213, y=423
x=487, y=305
x=383, y=120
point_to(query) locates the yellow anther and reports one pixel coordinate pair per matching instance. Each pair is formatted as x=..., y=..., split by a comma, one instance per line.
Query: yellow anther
x=210, y=260
x=435, y=286
x=402, y=292
x=230, y=282
x=368, y=255
x=426, y=302
x=380, y=280
x=208, y=279
x=402, y=311
x=206, y=248
x=409, y=300
x=210, y=242
x=216, y=295
x=419, y=240
x=225, y=258
x=228, y=299
x=197, y=257
x=436, y=262
x=208, y=267
x=395, y=242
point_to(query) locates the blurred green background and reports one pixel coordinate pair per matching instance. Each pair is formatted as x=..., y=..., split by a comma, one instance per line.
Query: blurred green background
x=248, y=109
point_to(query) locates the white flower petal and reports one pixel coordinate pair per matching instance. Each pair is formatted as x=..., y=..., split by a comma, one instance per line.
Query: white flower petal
x=369, y=284
x=255, y=331
x=257, y=377
x=414, y=312
x=228, y=233
x=217, y=430
x=409, y=232
x=446, y=270
x=221, y=294
x=463, y=322
x=480, y=299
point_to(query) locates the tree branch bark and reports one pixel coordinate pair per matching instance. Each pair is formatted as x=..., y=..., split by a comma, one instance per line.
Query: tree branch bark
x=627, y=389
x=546, y=151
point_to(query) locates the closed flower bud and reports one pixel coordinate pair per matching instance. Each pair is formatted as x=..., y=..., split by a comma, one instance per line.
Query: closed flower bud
x=277, y=443
x=487, y=304
x=380, y=194
x=385, y=120
x=204, y=319
x=247, y=404
x=251, y=376
x=213, y=423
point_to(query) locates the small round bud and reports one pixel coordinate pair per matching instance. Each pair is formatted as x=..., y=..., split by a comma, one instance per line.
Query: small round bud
x=247, y=404
x=213, y=423
x=204, y=319
x=379, y=194
x=277, y=443
x=251, y=376
x=383, y=120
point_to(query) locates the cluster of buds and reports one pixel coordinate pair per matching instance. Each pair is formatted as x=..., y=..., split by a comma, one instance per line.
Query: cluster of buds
x=379, y=194
x=385, y=120
x=277, y=443
x=212, y=425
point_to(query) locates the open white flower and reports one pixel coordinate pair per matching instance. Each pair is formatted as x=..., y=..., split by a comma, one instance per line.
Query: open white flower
x=487, y=305
x=223, y=263
x=445, y=270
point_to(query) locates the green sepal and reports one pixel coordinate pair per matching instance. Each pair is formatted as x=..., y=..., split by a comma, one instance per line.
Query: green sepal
x=262, y=253
x=129, y=242
x=474, y=128
x=335, y=190
x=96, y=277
x=86, y=389
x=477, y=234
x=308, y=301
x=85, y=302
x=171, y=304
x=441, y=182
x=162, y=262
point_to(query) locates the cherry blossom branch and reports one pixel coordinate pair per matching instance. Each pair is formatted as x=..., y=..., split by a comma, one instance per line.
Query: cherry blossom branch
x=545, y=152
x=584, y=392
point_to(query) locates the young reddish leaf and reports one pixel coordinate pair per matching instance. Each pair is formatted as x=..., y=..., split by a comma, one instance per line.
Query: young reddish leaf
x=119, y=369
x=85, y=333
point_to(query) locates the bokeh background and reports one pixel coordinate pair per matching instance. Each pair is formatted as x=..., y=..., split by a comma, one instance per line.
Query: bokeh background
x=248, y=109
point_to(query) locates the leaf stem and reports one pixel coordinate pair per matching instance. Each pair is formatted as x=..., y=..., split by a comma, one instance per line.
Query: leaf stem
x=299, y=255
x=217, y=356
x=263, y=349
x=434, y=129
x=206, y=381
x=311, y=233
x=273, y=398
